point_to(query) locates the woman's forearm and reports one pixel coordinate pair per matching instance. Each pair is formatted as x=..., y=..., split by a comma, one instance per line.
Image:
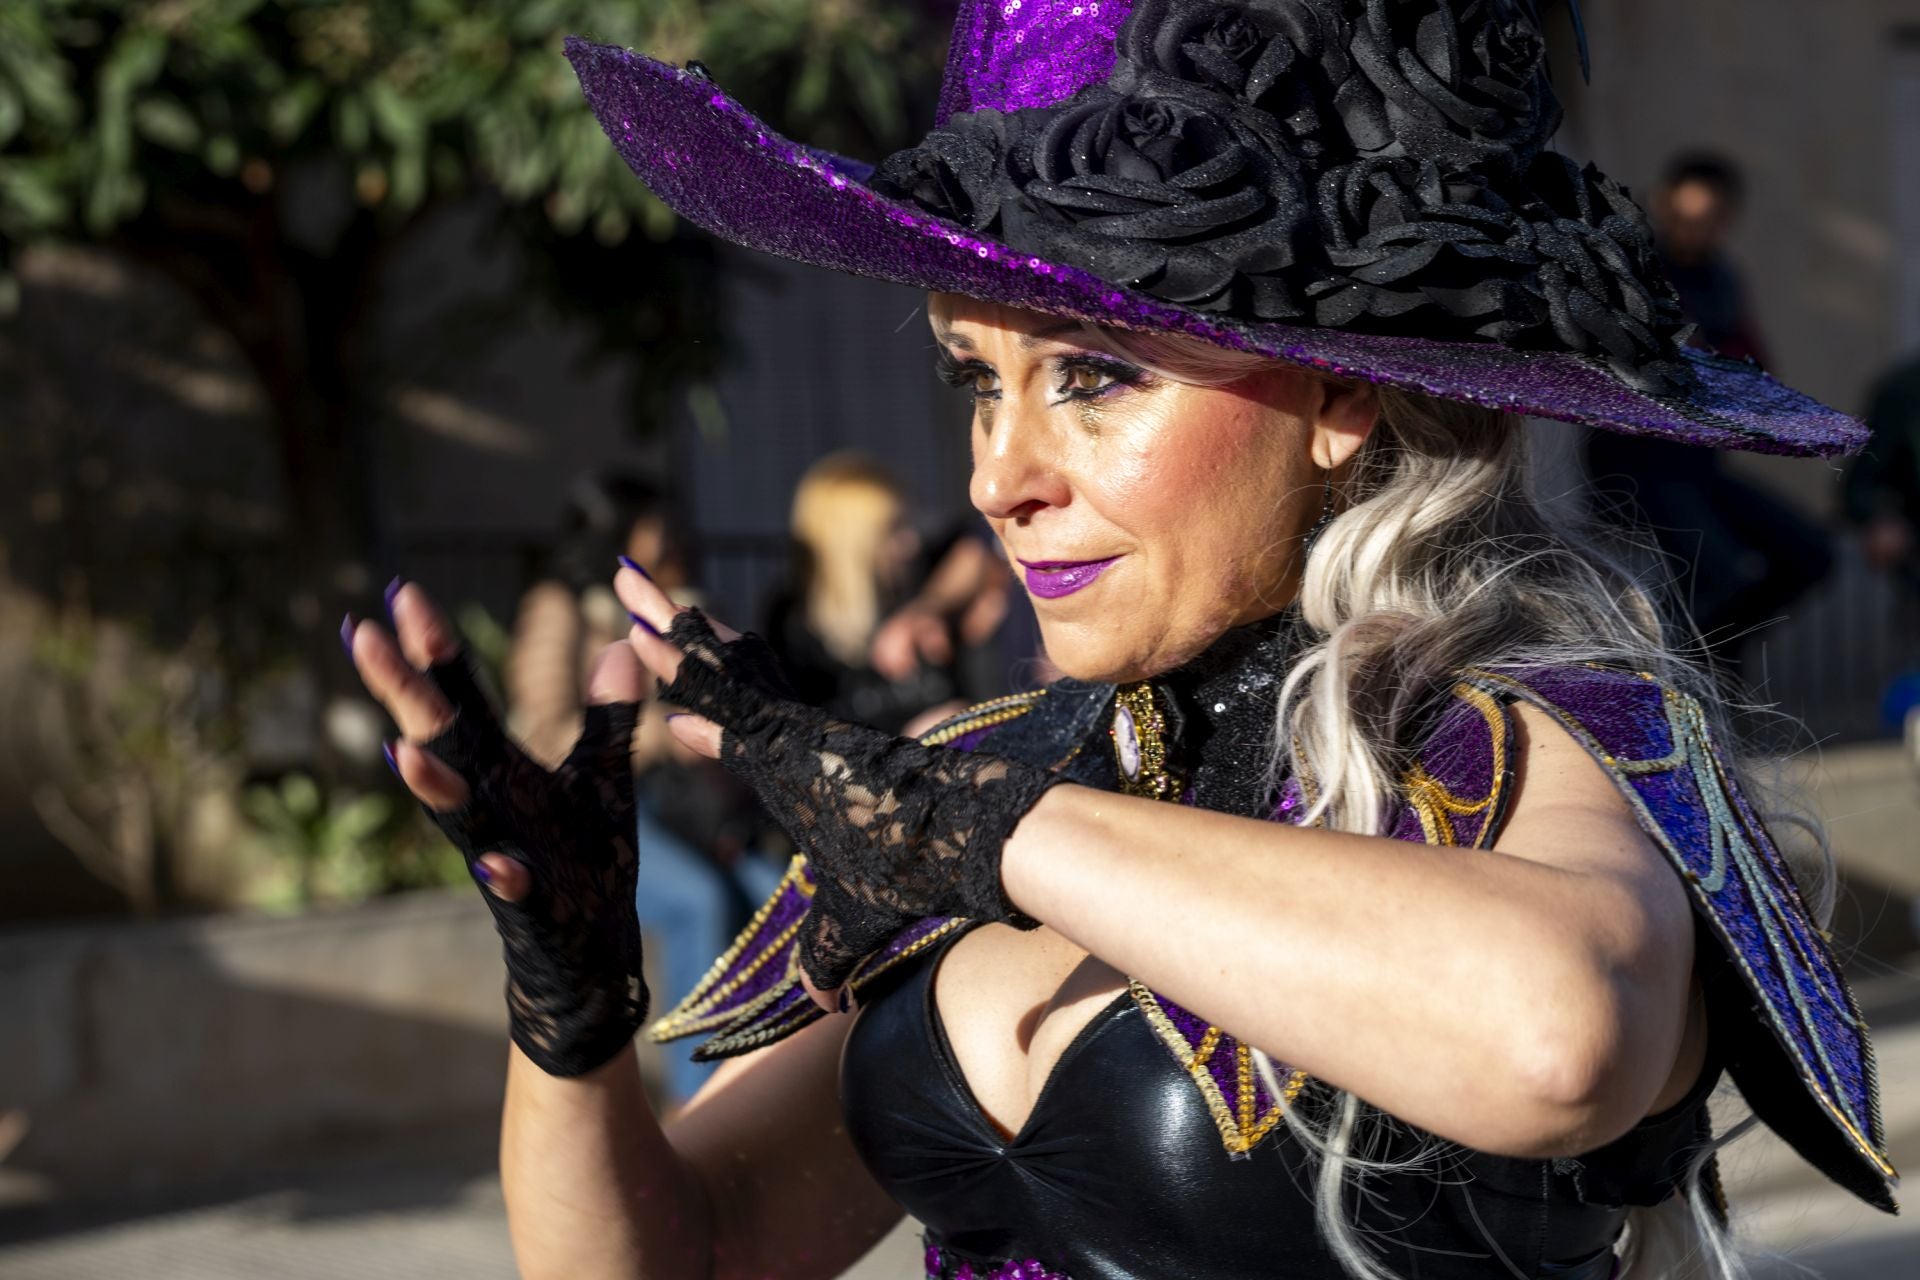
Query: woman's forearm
x=1355, y=958
x=594, y=1189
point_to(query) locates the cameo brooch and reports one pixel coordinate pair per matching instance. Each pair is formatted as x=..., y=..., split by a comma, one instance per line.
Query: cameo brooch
x=1140, y=743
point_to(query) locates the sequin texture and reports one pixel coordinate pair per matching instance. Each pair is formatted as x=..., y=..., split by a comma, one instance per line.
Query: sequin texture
x=946, y=1264
x=1008, y=54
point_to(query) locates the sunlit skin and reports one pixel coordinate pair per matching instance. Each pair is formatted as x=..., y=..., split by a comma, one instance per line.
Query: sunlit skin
x=1542, y=986
x=1202, y=493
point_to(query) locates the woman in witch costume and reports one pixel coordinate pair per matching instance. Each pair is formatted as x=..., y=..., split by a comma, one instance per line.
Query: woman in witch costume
x=1378, y=896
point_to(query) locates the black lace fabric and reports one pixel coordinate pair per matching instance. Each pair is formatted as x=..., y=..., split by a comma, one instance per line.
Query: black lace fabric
x=575, y=994
x=895, y=831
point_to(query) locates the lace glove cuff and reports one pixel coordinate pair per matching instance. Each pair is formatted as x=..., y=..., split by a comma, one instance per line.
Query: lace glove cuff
x=895, y=831
x=575, y=993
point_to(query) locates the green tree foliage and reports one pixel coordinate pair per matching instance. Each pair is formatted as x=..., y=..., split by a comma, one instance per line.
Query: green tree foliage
x=267, y=155
x=110, y=108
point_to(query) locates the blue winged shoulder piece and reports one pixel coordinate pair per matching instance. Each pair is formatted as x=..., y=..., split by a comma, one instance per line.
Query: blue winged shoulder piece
x=1781, y=1017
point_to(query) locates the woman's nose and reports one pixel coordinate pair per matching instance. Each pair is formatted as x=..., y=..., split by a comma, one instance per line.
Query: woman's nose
x=1016, y=467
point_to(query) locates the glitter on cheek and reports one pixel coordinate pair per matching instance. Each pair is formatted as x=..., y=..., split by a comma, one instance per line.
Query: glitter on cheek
x=1088, y=411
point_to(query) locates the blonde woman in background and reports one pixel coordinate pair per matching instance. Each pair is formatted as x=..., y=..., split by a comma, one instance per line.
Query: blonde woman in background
x=860, y=629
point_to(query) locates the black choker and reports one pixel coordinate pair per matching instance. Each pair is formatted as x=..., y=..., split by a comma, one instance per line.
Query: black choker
x=1204, y=733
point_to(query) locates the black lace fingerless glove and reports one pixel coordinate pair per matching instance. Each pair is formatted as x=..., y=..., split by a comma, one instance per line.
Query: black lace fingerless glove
x=895, y=831
x=575, y=994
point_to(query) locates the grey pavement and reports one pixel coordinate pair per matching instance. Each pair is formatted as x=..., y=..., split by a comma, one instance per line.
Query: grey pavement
x=403, y=1218
x=363, y=1223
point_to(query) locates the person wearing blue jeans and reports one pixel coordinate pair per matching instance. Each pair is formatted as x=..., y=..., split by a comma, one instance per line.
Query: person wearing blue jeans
x=687, y=906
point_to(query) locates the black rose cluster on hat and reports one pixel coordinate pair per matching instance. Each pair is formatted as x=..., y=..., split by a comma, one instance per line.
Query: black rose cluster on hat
x=1374, y=165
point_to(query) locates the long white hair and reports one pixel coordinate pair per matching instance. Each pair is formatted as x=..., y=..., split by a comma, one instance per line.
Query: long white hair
x=1441, y=559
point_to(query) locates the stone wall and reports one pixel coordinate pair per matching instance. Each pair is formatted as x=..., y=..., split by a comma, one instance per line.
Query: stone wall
x=143, y=1055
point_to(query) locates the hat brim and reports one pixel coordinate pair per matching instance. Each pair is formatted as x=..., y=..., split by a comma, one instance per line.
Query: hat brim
x=724, y=169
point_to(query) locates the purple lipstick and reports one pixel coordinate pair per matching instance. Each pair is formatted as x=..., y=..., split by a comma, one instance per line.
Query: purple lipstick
x=1052, y=579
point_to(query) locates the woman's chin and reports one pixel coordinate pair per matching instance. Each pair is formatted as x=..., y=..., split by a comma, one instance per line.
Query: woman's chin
x=1096, y=653
x=1105, y=649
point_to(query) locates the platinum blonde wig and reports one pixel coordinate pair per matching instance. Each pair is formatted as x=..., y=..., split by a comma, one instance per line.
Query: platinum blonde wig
x=1440, y=558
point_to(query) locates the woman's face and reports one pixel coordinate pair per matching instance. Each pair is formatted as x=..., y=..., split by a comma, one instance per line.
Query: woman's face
x=1146, y=517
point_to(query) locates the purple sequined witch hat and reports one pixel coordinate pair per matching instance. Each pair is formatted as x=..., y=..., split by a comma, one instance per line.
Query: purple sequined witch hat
x=1359, y=186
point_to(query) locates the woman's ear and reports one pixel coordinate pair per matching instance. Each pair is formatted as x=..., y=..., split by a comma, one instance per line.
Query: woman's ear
x=1345, y=416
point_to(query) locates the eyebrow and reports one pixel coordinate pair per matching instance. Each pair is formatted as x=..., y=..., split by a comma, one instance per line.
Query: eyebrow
x=1027, y=341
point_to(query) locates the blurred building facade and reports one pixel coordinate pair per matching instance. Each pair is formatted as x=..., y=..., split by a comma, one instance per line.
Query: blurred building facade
x=1819, y=104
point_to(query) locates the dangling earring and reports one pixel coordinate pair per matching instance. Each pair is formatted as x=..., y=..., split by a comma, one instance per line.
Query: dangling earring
x=1326, y=518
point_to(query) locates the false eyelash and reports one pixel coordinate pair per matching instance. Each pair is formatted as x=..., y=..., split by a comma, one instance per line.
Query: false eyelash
x=956, y=373
x=961, y=374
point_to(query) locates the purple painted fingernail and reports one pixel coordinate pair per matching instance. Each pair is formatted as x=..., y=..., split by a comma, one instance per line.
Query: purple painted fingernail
x=386, y=749
x=846, y=1000
x=635, y=565
x=482, y=873
x=393, y=589
x=348, y=626
x=643, y=624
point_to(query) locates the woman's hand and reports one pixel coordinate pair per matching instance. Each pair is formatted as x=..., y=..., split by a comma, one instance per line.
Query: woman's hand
x=912, y=637
x=556, y=849
x=894, y=831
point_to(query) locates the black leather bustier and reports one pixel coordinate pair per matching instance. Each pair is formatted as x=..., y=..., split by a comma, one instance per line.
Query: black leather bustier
x=1120, y=1174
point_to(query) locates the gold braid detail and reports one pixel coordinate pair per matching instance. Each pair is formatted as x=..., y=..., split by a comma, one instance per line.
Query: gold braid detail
x=1436, y=805
x=1240, y=1129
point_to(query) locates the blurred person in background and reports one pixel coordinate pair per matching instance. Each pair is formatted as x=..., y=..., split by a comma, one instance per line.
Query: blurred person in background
x=1699, y=202
x=870, y=625
x=1735, y=555
x=699, y=826
x=1881, y=499
x=568, y=613
x=1881, y=495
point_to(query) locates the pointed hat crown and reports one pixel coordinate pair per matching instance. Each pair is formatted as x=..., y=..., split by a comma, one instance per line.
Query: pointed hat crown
x=1009, y=54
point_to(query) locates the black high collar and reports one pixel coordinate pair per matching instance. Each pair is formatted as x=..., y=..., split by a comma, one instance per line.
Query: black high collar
x=1220, y=710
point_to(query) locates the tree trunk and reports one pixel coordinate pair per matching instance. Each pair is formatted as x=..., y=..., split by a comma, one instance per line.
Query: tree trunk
x=298, y=318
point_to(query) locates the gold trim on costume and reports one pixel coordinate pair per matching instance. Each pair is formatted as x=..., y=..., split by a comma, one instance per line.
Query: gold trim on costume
x=1435, y=805
x=1240, y=1128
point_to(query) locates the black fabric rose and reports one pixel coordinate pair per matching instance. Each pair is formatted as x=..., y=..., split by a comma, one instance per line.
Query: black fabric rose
x=1462, y=85
x=1600, y=279
x=1285, y=57
x=1398, y=237
x=1165, y=194
x=1364, y=164
x=957, y=172
x=1410, y=249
